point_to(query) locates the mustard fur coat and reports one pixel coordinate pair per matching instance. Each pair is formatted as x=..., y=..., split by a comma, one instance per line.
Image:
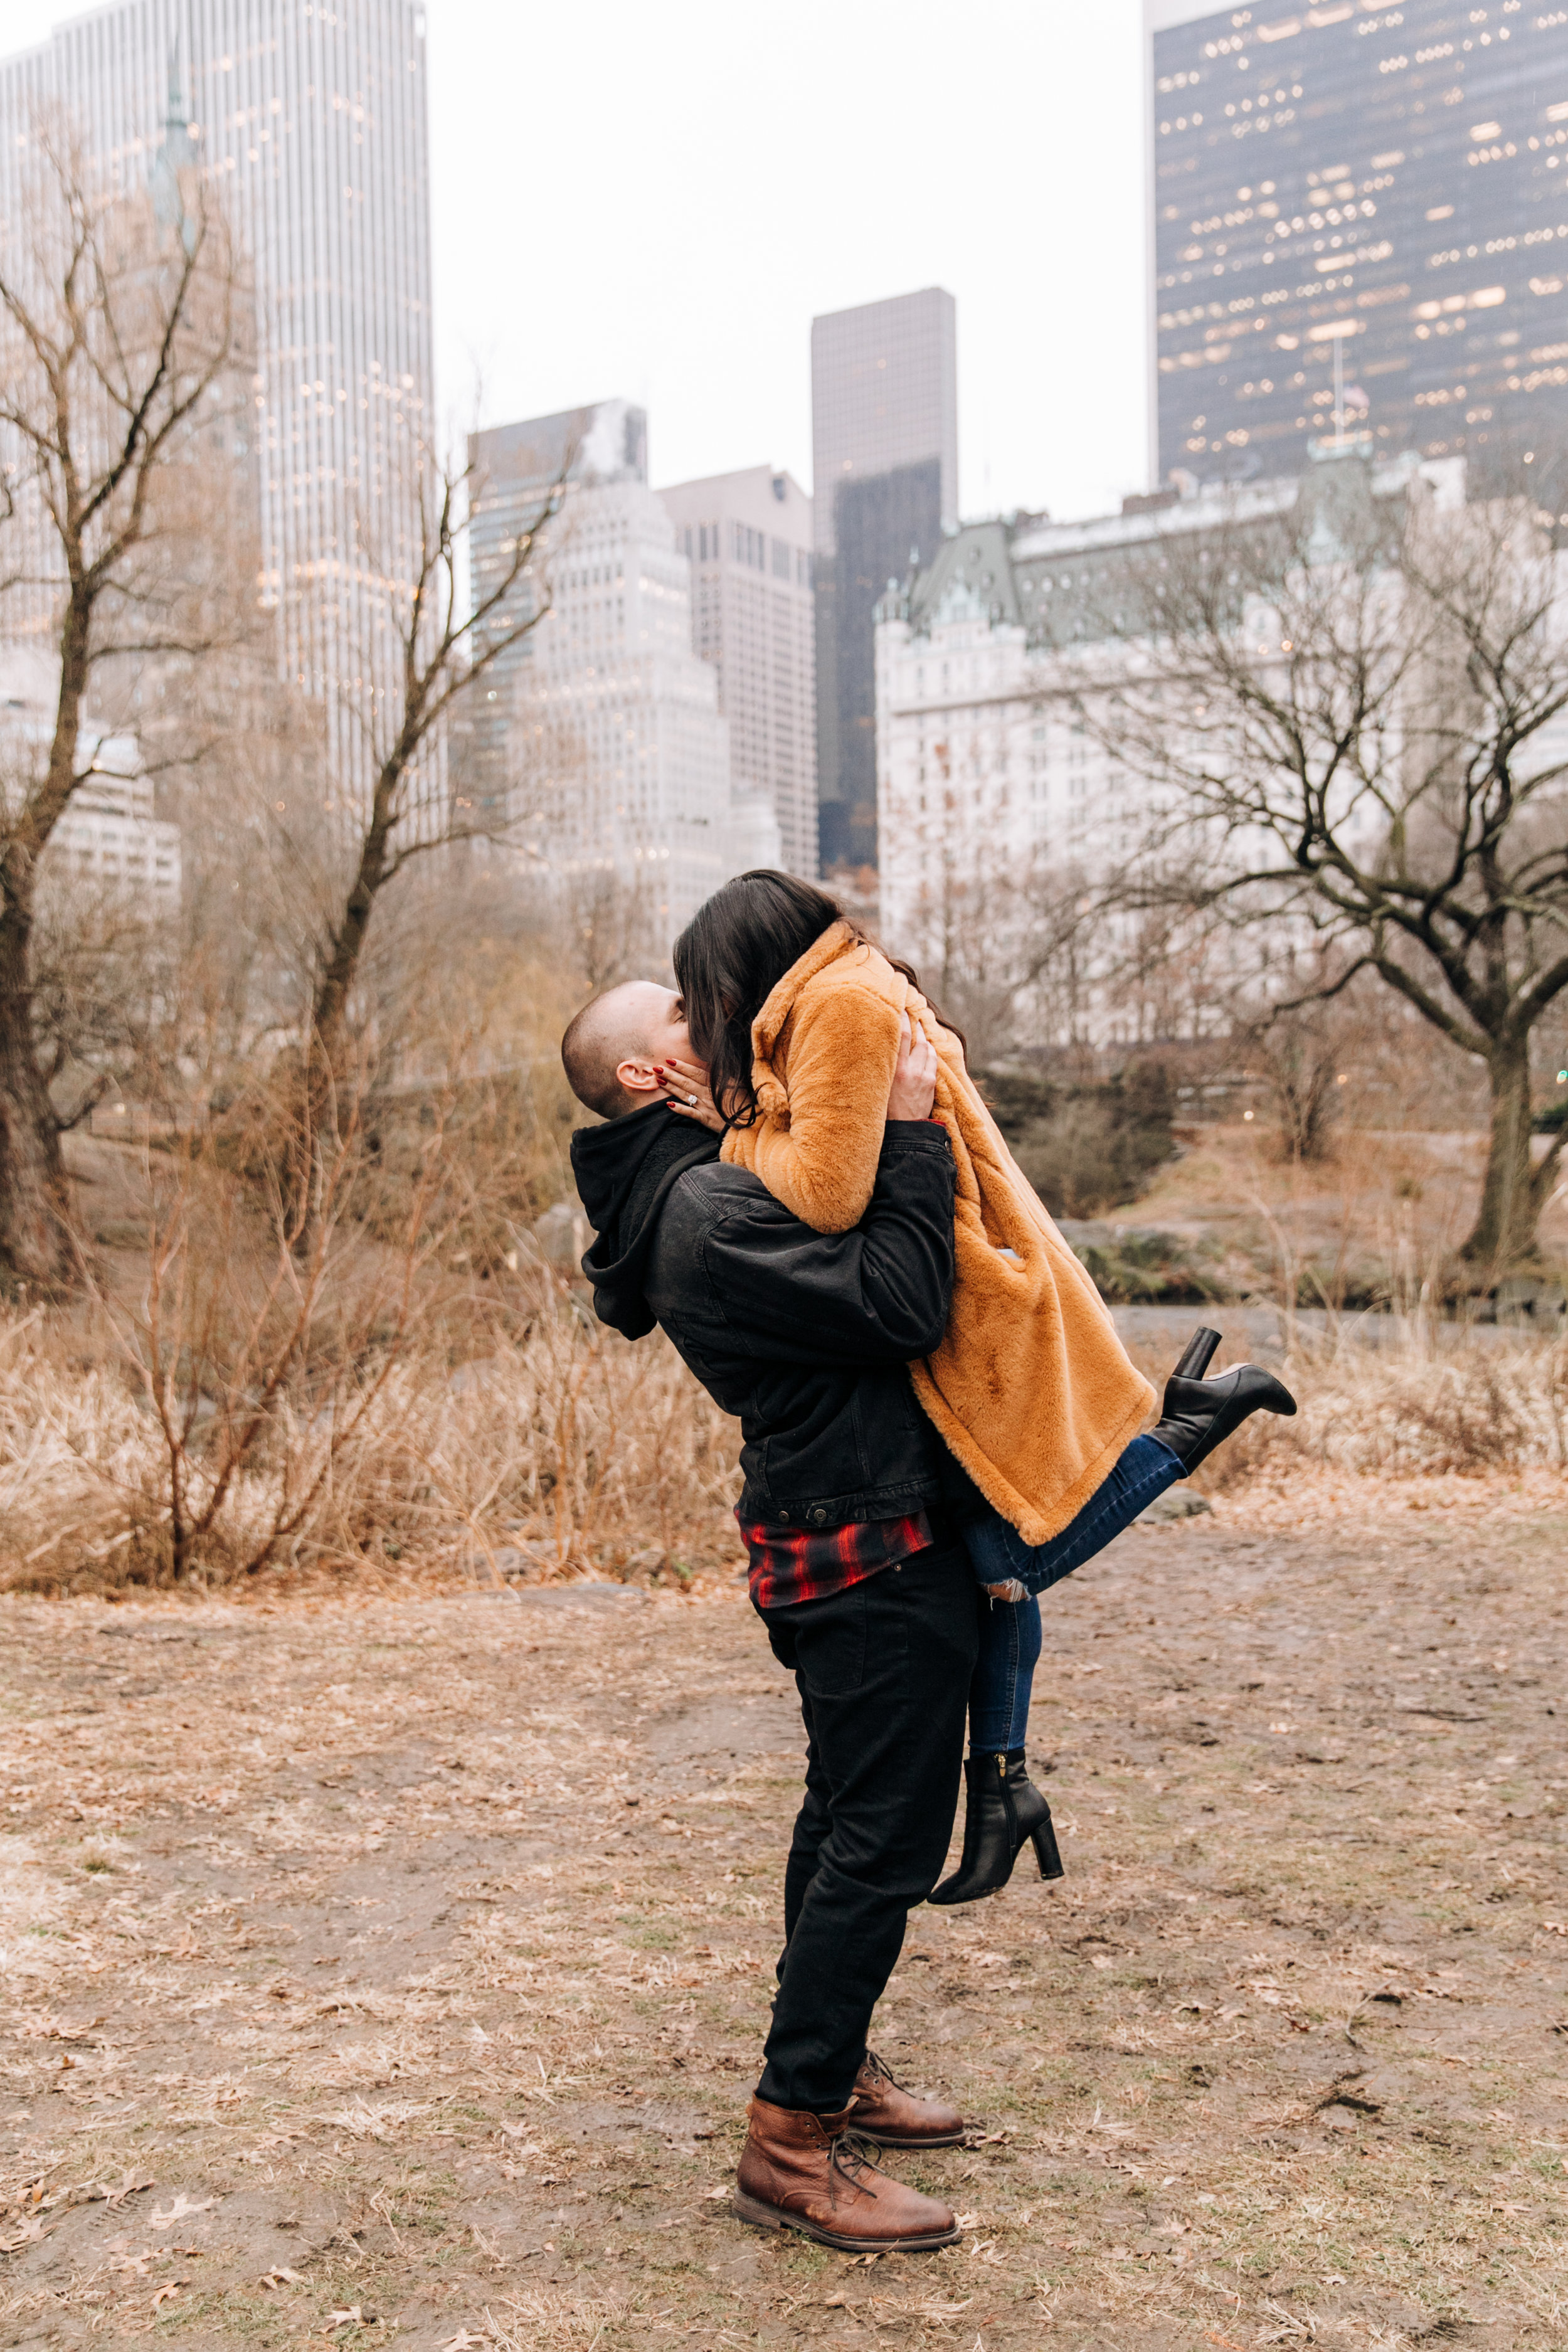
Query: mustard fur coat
x=1031, y=1387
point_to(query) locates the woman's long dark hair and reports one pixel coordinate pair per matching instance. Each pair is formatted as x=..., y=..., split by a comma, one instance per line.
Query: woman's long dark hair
x=731, y=956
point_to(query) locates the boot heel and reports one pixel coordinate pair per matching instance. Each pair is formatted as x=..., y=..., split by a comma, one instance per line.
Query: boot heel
x=1197, y=1355
x=760, y=2217
x=1047, y=1854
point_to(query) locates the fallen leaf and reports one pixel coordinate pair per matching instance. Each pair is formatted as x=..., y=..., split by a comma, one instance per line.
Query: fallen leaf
x=464, y=2341
x=26, y=2234
x=281, y=2277
x=131, y=2186
x=166, y=2293
x=353, y=2317
x=374, y=2123
x=520, y=2131
x=182, y=2208
x=714, y=2195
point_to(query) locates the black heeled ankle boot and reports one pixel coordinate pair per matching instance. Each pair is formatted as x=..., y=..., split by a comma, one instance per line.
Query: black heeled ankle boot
x=1199, y=1414
x=1003, y=1808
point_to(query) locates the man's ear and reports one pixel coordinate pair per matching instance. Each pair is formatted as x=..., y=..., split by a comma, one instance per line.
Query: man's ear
x=636, y=1078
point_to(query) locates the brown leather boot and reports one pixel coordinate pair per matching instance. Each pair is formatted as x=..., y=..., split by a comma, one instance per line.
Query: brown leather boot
x=894, y=2117
x=811, y=2173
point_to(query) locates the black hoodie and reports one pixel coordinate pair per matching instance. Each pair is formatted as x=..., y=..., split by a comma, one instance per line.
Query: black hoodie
x=805, y=1336
x=624, y=1171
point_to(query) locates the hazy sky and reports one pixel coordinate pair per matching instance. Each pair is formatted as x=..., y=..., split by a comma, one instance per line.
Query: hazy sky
x=655, y=200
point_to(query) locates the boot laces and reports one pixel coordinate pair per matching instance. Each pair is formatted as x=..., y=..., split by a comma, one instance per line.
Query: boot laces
x=850, y=2156
x=882, y=2072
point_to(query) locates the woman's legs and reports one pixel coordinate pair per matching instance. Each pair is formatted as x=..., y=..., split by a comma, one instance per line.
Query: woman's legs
x=1002, y=1807
x=1010, y=1631
x=997, y=1551
x=1003, y=1671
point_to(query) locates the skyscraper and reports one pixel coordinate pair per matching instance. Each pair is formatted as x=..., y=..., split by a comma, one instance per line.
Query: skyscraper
x=311, y=121
x=747, y=537
x=884, y=412
x=600, y=740
x=515, y=470
x=1360, y=228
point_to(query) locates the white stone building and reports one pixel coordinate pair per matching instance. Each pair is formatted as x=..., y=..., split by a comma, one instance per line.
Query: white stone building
x=109, y=840
x=747, y=537
x=989, y=783
x=605, y=740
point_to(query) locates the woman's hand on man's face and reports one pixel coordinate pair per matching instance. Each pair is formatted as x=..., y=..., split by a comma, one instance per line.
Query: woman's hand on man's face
x=686, y=1090
x=913, y=1089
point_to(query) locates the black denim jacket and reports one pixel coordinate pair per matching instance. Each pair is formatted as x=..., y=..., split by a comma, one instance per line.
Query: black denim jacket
x=805, y=1336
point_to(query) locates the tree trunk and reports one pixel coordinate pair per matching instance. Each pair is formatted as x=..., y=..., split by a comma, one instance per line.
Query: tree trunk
x=34, y=1200
x=315, y=1126
x=34, y=1249
x=1503, y=1237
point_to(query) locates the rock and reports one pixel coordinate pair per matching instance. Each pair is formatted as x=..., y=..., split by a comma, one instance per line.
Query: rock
x=522, y=1559
x=1529, y=1303
x=560, y=1235
x=1176, y=1502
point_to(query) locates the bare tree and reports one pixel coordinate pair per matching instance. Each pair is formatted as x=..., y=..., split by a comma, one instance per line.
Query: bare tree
x=117, y=317
x=609, y=927
x=1352, y=717
x=441, y=651
x=1299, y=1052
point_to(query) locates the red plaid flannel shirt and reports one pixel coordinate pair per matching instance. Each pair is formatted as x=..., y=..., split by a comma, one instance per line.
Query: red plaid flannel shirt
x=789, y=1564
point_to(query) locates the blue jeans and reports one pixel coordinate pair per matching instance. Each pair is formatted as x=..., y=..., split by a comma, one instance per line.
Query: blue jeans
x=1010, y=1629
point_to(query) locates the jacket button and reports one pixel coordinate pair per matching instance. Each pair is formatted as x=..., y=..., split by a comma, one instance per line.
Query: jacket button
x=784, y=1515
x=819, y=1515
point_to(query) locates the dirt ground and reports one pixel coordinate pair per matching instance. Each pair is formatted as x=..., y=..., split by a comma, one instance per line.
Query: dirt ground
x=396, y=1974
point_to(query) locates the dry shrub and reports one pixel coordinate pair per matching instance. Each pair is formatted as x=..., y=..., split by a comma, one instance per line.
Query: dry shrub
x=560, y=1448
x=1408, y=1413
x=363, y=1367
x=246, y=1399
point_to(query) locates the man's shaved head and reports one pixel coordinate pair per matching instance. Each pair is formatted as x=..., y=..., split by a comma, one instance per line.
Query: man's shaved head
x=622, y=1025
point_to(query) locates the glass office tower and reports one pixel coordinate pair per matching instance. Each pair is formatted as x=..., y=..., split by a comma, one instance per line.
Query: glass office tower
x=1359, y=227
x=884, y=430
x=311, y=121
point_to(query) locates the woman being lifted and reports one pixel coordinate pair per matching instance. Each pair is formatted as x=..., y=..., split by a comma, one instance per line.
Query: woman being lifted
x=798, y=1018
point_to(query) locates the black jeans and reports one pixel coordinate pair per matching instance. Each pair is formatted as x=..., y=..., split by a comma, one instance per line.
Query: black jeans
x=883, y=1672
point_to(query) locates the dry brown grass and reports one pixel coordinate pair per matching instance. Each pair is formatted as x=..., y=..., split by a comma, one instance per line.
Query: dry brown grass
x=1380, y=1217
x=1411, y=1411
x=556, y=1447
x=499, y=1432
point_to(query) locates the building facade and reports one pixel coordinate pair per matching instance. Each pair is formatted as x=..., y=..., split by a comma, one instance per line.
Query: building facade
x=514, y=470
x=993, y=796
x=1359, y=226
x=312, y=123
x=884, y=412
x=748, y=539
x=603, y=750
x=110, y=842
